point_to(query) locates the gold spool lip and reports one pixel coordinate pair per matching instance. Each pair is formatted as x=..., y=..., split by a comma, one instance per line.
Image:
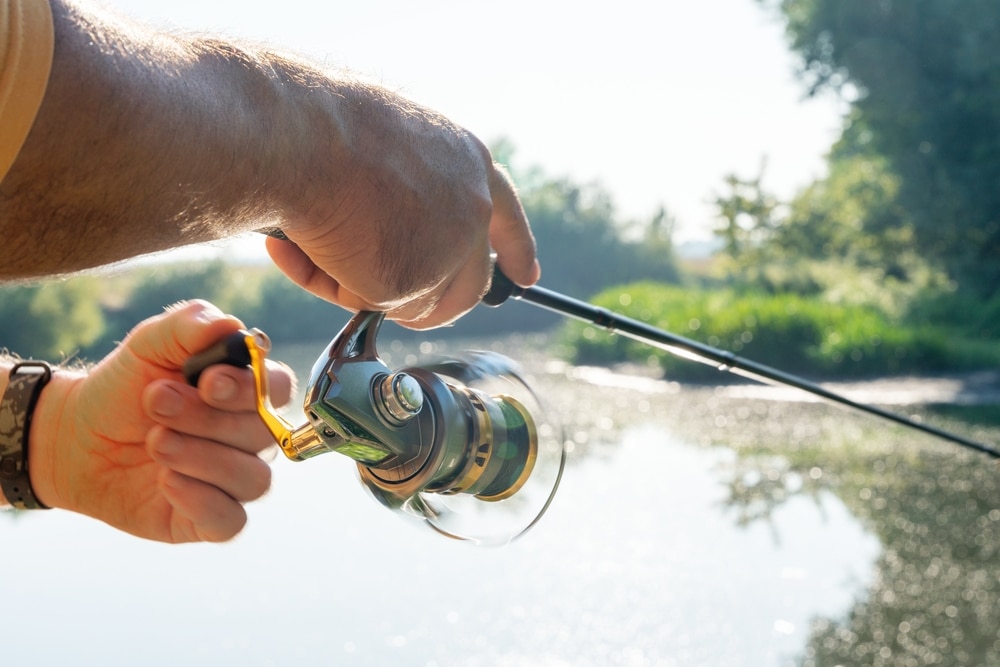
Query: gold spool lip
x=529, y=464
x=471, y=472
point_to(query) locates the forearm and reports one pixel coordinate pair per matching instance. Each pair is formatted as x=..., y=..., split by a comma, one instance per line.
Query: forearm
x=143, y=142
x=146, y=142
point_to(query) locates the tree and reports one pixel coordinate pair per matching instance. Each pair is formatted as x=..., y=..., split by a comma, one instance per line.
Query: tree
x=748, y=216
x=289, y=313
x=923, y=79
x=52, y=321
x=852, y=215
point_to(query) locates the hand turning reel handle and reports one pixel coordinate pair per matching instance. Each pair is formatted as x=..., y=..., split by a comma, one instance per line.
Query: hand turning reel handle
x=463, y=443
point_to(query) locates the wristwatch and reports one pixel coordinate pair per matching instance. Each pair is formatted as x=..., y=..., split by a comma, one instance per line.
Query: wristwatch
x=23, y=387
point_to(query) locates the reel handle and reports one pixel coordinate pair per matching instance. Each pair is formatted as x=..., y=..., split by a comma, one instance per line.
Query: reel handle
x=231, y=350
x=248, y=349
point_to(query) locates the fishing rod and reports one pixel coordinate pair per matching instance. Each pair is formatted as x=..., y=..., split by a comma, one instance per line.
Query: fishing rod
x=503, y=289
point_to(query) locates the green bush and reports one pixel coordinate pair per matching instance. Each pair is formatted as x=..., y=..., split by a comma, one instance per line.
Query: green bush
x=54, y=320
x=968, y=315
x=793, y=333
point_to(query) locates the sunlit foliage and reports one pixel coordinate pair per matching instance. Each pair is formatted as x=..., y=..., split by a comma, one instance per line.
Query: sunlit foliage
x=921, y=145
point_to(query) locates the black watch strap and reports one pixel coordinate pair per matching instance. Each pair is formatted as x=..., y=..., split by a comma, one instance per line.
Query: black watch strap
x=24, y=385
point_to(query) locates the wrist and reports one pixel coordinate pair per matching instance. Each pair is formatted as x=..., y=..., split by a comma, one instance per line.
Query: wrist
x=303, y=141
x=51, y=416
x=25, y=381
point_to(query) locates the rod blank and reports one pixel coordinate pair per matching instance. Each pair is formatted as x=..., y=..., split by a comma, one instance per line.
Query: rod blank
x=502, y=289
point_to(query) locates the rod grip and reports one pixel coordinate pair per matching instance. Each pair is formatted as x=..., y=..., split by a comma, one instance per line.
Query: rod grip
x=501, y=288
x=231, y=350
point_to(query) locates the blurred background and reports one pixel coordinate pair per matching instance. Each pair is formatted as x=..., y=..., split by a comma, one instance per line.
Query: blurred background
x=809, y=183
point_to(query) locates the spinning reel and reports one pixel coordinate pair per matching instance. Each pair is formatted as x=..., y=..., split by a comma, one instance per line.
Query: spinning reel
x=461, y=443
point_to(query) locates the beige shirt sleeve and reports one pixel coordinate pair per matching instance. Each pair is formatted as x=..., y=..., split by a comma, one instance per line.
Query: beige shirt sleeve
x=26, y=44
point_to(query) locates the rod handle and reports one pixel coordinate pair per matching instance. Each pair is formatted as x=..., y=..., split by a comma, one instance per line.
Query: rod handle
x=501, y=288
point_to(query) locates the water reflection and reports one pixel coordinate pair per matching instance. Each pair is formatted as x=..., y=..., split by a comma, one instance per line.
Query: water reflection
x=936, y=600
x=935, y=591
x=935, y=594
x=693, y=528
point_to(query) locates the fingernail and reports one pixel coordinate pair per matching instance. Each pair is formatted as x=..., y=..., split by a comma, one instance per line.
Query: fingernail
x=168, y=402
x=223, y=388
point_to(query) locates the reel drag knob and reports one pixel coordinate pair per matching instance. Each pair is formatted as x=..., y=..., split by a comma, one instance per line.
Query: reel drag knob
x=399, y=398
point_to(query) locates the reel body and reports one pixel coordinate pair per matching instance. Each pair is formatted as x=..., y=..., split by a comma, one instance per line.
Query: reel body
x=462, y=443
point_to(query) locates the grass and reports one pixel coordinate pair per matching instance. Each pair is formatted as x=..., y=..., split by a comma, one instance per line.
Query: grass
x=794, y=333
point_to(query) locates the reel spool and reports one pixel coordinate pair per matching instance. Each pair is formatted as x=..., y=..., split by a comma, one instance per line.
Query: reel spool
x=498, y=464
x=461, y=443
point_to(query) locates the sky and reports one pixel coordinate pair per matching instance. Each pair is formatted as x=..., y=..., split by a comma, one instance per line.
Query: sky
x=656, y=101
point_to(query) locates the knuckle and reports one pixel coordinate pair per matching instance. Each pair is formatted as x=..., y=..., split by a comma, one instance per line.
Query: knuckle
x=482, y=208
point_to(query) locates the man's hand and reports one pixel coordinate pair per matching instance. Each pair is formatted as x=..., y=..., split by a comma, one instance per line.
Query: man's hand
x=406, y=220
x=131, y=444
x=396, y=208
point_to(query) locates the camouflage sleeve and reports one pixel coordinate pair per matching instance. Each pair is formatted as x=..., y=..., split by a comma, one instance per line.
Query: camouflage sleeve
x=25, y=383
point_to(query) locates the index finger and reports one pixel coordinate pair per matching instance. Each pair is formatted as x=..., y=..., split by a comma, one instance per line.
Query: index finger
x=510, y=233
x=184, y=329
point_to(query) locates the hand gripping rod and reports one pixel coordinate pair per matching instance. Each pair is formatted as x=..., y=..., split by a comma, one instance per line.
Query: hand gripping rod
x=502, y=289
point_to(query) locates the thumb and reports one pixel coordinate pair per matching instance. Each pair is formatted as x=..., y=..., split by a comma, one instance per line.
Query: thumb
x=510, y=232
x=183, y=330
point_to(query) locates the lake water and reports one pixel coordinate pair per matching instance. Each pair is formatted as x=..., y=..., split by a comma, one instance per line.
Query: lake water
x=694, y=526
